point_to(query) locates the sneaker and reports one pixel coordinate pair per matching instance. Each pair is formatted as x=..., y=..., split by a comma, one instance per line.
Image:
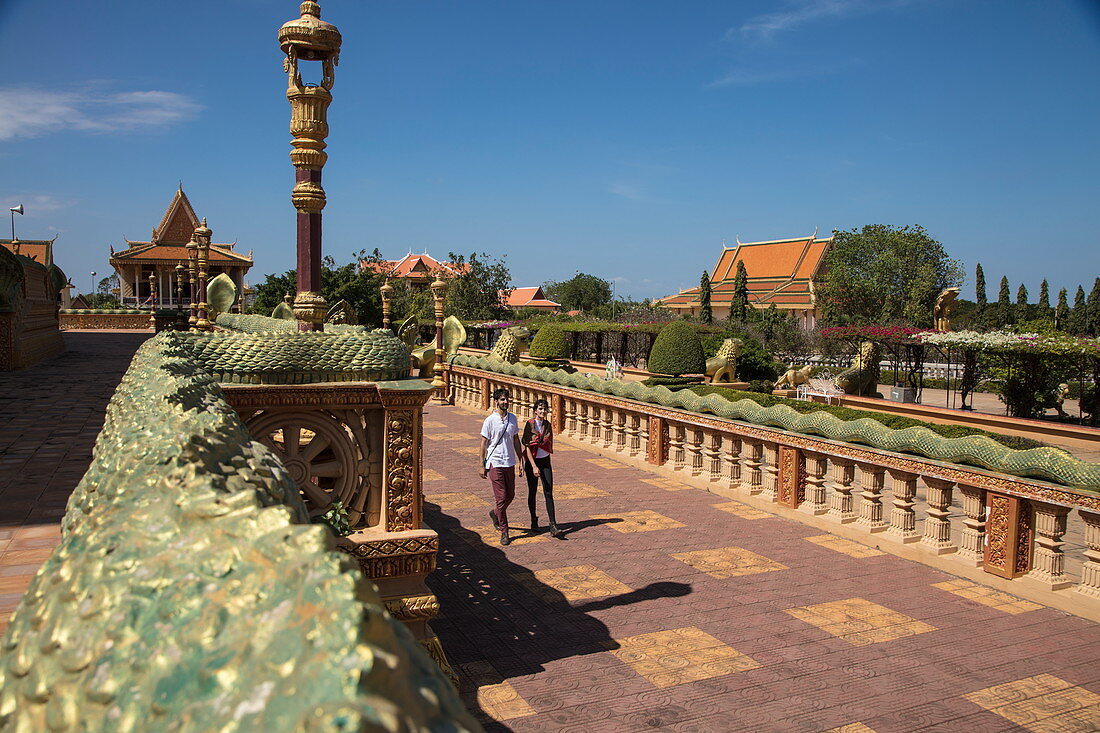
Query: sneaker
x=493, y=516
x=505, y=540
x=556, y=532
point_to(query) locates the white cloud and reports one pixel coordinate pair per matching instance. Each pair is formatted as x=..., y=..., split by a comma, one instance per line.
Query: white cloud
x=807, y=11
x=37, y=203
x=27, y=112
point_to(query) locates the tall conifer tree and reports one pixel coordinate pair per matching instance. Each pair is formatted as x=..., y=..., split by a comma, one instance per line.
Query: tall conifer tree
x=1093, y=308
x=1078, y=320
x=1004, y=297
x=1061, y=312
x=1021, y=295
x=740, y=304
x=704, y=299
x=1044, y=296
x=979, y=286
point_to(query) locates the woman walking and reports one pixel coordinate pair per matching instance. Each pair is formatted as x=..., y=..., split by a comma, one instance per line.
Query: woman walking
x=538, y=445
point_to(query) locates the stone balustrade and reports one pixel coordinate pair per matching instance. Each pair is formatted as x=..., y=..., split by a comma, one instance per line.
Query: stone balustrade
x=1033, y=538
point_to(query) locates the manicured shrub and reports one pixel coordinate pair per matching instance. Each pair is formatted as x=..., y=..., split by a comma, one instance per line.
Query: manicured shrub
x=550, y=343
x=677, y=351
x=673, y=383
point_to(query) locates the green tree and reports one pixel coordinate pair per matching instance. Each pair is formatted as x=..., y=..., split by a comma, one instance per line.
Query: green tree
x=1078, y=320
x=883, y=274
x=704, y=299
x=480, y=291
x=1021, y=295
x=581, y=292
x=1092, y=308
x=104, y=296
x=1044, y=297
x=979, y=286
x=739, y=306
x=1004, y=297
x=356, y=282
x=1061, y=312
x=270, y=292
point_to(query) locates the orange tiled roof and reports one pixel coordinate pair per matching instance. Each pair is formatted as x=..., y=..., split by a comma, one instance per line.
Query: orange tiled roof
x=152, y=252
x=780, y=271
x=528, y=298
x=39, y=250
x=415, y=267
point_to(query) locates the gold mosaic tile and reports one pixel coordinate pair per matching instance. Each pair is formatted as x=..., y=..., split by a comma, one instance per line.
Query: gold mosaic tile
x=449, y=436
x=605, y=463
x=431, y=474
x=843, y=546
x=1043, y=703
x=668, y=658
x=987, y=596
x=489, y=535
x=575, y=583
x=728, y=562
x=496, y=697
x=434, y=424
x=643, y=521
x=470, y=450
x=742, y=510
x=666, y=483
x=859, y=621
x=577, y=491
x=851, y=728
x=457, y=500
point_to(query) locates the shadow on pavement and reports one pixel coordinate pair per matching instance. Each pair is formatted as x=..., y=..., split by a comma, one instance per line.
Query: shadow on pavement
x=495, y=626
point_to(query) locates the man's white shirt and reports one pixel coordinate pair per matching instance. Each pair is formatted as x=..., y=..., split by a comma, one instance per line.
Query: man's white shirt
x=501, y=433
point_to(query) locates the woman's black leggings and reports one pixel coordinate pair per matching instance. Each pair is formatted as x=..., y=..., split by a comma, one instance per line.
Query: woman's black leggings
x=546, y=473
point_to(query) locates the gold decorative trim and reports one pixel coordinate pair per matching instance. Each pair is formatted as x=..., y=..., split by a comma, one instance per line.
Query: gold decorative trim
x=413, y=608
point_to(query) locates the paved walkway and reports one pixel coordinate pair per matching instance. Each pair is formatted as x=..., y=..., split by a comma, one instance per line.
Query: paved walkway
x=672, y=608
x=50, y=415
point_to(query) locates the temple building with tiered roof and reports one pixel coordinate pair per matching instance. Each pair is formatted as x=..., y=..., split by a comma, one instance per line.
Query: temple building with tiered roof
x=166, y=248
x=780, y=272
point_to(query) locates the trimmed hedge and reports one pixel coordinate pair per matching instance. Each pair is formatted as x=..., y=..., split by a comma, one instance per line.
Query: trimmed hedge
x=549, y=344
x=677, y=351
x=896, y=422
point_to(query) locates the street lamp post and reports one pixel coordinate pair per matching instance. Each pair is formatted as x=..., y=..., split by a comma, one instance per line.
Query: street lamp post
x=308, y=38
x=181, y=322
x=153, y=300
x=91, y=293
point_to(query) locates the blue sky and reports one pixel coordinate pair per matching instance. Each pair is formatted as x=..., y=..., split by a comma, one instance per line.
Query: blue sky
x=627, y=139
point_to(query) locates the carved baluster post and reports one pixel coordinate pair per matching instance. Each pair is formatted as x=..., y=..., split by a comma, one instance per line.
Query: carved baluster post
x=695, y=446
x=769, y=465
x=903, y=520
x=714, y=457
x=816, y=502
x=557, y=413
x=840, y=501
x=937, y=528
x=308, y=38
x=608, y=426
x=677, y=438
x=622, y=435
x=387, y=306
x=870, y=508
x=733, y=463
x=1090, y=571
x=635, y=434
x=972, y=542
x=751, y=465
x=657, y=441
x=582, y=419
x=1048, y=560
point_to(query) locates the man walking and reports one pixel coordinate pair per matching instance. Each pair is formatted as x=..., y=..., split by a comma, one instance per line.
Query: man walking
x=500, y=450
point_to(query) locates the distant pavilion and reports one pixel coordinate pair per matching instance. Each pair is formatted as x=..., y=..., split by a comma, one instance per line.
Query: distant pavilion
x=780, y=272
x=167, y=248
x=417, y=270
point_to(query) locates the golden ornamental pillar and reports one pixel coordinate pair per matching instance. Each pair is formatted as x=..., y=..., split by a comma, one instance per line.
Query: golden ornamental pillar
x=201, y=238
x=192, y=280
x=309, y=39
x=439, y=387
x=387, y=294
x=153, y=300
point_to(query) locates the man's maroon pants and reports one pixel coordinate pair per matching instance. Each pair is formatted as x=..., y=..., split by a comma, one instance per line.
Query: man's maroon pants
x=504, y=490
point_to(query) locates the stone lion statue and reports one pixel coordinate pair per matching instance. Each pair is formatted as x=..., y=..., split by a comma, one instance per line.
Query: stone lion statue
x=722, y=366
x=861, y=378
x=794, y=377
x=511, y=343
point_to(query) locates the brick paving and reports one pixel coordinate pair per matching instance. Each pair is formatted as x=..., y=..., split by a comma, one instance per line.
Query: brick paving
x=50, y=415
x=670, y=608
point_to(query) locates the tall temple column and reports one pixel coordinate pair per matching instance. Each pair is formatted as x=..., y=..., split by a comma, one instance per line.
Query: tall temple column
x=309, y=38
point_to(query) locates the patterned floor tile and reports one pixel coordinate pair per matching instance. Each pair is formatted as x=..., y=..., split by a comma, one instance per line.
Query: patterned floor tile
x=484, y=686
x=987, y=596
x=470, y=450
x=843, y=546
x=1043, y=703
x=742, y=510
x=577, y=491
x=689, y=654
x=489, y=535
x=430, y=474
x=434, y=424
x=667, y=484
x=859, y=621
x=851, y=728
x=643, y=521
x=728, y=562
x=605, y=463
x=457, y=500
x=575, y=583
x=449, y=436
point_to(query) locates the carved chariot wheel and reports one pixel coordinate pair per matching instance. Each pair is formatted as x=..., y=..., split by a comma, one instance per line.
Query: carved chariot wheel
x=317, y=452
